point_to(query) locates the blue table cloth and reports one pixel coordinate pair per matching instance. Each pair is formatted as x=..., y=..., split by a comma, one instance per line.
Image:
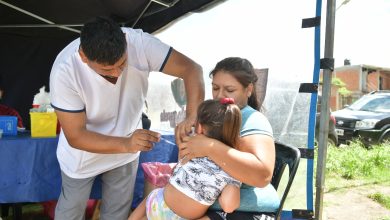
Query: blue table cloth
x=29, y=170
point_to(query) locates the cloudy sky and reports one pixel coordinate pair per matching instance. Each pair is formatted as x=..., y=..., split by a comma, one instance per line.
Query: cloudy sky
x=362, y=32
x=269, y=34
x=251, y=27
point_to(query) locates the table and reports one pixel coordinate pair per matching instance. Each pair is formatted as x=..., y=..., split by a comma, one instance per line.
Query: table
x=29, y=170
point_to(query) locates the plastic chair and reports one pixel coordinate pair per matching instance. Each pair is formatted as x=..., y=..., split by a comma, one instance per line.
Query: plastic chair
x=286, y=155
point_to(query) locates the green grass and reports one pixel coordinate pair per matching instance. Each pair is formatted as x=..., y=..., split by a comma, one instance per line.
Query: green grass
x=346, y=167
x=358, y=165
x=384, y=200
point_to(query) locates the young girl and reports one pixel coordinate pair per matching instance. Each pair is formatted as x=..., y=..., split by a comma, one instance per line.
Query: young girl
x=195, y=185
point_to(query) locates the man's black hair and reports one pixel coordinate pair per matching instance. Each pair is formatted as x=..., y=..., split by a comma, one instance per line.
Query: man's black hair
x=102, y=41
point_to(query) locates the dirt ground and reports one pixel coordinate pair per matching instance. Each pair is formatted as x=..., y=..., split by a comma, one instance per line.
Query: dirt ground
x=353, y=203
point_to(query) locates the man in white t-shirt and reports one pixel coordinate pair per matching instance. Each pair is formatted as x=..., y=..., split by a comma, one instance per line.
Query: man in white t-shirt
x=98, y=85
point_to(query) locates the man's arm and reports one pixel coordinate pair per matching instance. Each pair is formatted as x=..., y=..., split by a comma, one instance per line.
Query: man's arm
x=183, y=67
x=74, y=128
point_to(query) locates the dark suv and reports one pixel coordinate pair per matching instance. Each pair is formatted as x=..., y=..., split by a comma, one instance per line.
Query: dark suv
x=368, y=118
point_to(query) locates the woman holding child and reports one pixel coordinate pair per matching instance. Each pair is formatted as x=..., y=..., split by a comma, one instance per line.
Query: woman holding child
x=252, y=161
x=249, y=160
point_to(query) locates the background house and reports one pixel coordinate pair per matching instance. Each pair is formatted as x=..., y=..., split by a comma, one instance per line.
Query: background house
x=359, y=80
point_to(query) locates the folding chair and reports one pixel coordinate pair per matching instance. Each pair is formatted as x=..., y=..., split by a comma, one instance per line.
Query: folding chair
x=286, y=155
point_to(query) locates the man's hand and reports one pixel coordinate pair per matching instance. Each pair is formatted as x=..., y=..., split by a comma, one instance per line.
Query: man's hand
x=142, y=140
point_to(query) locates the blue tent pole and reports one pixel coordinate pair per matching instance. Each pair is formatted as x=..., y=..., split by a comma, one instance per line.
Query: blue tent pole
x=324, y=126
x=313, y=107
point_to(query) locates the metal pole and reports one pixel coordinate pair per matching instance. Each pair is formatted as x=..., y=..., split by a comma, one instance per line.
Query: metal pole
x=324, y=118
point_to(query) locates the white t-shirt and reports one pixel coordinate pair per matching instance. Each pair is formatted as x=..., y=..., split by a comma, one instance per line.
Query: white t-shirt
x=111, y=109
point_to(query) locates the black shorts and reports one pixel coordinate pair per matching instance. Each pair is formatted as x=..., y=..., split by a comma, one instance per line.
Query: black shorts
x=219, y=215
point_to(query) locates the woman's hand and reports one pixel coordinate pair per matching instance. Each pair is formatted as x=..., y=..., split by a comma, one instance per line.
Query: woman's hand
x=195, y=146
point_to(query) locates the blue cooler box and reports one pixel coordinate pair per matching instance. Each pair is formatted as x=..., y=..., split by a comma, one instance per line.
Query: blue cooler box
x=9, y=125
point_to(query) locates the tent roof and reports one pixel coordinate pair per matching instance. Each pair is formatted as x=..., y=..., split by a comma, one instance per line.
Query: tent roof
x=26, y=16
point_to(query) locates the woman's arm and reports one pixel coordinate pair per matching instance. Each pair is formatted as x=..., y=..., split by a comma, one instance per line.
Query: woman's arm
x=230, y=198
x=251, y=163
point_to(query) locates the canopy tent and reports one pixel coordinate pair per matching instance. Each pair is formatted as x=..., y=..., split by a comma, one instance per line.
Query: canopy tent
x=33, y=32
x=149, y=15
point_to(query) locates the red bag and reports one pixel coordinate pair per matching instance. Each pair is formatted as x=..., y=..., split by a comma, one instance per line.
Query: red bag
x=156, y=175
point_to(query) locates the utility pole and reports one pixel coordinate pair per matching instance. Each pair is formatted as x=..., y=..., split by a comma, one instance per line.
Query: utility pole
x=326, y=88
x=324, y=126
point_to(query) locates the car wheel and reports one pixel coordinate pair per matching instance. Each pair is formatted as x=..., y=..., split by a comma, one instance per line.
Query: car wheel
x=386, y=138
x=332, y=141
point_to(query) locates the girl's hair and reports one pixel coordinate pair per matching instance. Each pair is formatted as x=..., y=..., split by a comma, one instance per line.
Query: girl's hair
x=242, y=70
x=221, y=121
x=103, y=41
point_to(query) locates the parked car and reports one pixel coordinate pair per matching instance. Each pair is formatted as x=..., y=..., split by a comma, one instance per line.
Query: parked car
x=332, y=135
x=368, y=119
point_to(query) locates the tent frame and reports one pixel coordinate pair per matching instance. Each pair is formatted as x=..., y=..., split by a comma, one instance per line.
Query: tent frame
x=66, y=27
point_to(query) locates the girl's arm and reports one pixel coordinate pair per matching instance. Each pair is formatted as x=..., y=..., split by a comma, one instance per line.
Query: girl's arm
x=230, y=198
